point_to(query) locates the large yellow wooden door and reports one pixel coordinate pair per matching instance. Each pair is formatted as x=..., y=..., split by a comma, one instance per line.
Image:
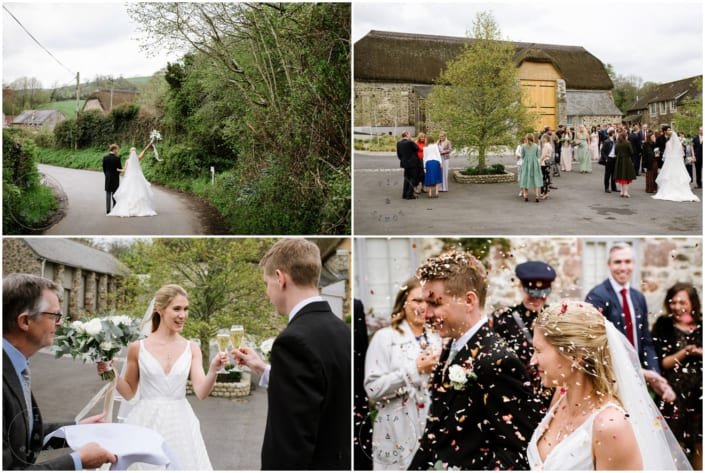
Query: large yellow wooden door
x=539, y=97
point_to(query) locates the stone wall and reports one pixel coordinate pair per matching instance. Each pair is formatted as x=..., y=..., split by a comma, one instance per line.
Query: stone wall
x=18, y=258
x=76, y=307
x=89, y=301
x=383, y=105
x=661, y=262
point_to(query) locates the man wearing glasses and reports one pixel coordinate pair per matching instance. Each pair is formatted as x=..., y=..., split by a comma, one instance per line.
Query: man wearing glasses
x=30, y=315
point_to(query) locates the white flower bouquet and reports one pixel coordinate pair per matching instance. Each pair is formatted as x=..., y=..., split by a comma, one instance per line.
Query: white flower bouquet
x=266, y=348
x=155, y=136
x=98, y=339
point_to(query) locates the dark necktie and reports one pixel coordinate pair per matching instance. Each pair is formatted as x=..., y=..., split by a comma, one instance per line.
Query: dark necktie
x=628, y=323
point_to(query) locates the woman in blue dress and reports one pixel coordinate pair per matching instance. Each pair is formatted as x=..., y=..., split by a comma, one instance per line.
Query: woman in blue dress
x=432, y=163
x=531, y=176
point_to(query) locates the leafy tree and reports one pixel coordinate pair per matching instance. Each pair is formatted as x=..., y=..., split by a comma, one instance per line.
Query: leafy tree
x=689, y=114
x=265, y=91
x=477, y=98
x=222, y=277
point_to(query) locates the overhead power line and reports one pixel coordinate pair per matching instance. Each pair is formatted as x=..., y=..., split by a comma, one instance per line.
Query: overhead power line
x=37, y=41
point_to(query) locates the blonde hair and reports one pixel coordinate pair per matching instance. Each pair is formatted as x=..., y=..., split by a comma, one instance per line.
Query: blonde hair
x=461, y=271
x=529, y=137
x=162, y=299
x=577, y=330
x=299, y=258
x=398, y=311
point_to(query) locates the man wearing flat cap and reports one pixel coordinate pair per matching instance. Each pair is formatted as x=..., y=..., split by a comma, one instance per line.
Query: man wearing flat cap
x=514, y=324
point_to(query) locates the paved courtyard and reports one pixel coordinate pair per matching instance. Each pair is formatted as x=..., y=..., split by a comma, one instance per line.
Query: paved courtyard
x=578, y=207
x=232, y=429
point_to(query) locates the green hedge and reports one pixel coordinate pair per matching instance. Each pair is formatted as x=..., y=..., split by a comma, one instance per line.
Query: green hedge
x=27, y=204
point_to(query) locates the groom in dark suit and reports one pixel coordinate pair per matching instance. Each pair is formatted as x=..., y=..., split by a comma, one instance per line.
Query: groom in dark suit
x=483, y=411
x=308, y=380
x=30, y=314
x=111, y=170
x=626, y=308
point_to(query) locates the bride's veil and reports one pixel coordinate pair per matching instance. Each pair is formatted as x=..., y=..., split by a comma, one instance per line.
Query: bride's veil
x=673, y=146
x=145, y=329
x=133, y=163
x=659, y=448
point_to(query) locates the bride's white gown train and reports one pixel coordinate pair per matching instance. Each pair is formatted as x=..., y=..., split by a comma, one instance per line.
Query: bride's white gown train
x=163, y=407
x=134, y=196
x=673, y=179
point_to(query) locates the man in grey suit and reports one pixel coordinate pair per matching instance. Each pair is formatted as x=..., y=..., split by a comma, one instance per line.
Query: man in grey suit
x=30, y=314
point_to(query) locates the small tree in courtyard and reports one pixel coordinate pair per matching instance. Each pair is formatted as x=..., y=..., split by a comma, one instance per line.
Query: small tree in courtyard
x=477, y=99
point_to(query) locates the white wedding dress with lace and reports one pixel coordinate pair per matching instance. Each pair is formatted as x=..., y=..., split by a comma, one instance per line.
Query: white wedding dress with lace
x=134, y=196
x=574, y=452
x=163, y=407
x=673, y=179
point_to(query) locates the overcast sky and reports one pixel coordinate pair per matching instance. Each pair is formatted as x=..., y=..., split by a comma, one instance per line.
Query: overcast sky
x=658, y=42
x=91, y=38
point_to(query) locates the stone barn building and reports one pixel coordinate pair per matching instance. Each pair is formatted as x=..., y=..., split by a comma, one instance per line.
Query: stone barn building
x=394, y=73
x=657, y=106
x=89, y=280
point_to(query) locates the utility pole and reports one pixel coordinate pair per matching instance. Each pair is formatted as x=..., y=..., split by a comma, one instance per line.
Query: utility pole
x=78, y=101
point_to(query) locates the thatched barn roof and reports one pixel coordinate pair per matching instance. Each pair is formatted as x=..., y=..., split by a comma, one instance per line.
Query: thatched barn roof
x=119, y=97
x=383, y=56
x=668, y=91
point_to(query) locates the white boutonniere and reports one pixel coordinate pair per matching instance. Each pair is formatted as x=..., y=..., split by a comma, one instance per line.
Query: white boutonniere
x=459, y=375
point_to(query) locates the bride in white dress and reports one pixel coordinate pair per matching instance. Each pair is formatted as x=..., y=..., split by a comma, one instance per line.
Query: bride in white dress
x=134, y=195
x=595, y=423
x=673, y=179
x=160, y=366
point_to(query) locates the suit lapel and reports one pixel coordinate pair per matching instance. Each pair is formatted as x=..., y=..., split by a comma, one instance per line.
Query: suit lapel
x=13, y=382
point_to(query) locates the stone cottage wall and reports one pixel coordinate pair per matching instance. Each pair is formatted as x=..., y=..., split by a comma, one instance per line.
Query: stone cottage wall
x=18, y=258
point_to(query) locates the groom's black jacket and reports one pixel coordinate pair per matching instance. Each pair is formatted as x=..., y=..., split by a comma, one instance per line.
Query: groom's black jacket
x=111, y=164
x=310, y=409
x=489, y=423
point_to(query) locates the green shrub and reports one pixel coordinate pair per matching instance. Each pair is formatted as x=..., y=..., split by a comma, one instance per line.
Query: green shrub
x=476, y=171
x=377, y=143
x=27, y=205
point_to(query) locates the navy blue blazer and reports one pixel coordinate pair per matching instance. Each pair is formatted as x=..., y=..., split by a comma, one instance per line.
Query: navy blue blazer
x=608, y=302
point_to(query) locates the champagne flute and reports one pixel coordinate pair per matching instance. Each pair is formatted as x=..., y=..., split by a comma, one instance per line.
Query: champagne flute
x=222, y=338
x=237, y=333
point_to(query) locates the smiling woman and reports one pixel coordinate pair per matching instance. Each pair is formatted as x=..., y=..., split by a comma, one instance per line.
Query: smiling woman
x=160, y=365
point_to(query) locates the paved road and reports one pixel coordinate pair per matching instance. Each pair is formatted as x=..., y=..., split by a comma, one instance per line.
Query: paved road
x=578, y=207
x=232, y=429
x=85, y=214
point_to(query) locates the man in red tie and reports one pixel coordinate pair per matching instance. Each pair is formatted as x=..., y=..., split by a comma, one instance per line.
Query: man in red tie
x=626, y=308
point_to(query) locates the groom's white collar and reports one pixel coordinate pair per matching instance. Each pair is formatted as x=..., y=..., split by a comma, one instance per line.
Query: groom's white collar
x=462, y=341
x=303, y=303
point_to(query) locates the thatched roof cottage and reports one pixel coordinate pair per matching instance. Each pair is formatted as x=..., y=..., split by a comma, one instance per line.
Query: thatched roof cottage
x=106, y=100
x=39, y=119
x=394, y=73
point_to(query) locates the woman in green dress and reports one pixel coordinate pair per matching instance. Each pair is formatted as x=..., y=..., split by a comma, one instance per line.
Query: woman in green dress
x=624, y=172
x=584, y=158
x=531, y=176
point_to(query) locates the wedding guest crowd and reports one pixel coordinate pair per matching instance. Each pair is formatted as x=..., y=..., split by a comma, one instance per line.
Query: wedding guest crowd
x=441, y=349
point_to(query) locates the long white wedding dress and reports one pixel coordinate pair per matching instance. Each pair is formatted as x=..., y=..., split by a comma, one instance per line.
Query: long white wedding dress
x=163, y=407
x=658, y=447
x=673, y=179
x=134, y=196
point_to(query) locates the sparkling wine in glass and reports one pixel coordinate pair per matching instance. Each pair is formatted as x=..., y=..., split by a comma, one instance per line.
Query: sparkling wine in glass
x=222, y=339
x=237, y=332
